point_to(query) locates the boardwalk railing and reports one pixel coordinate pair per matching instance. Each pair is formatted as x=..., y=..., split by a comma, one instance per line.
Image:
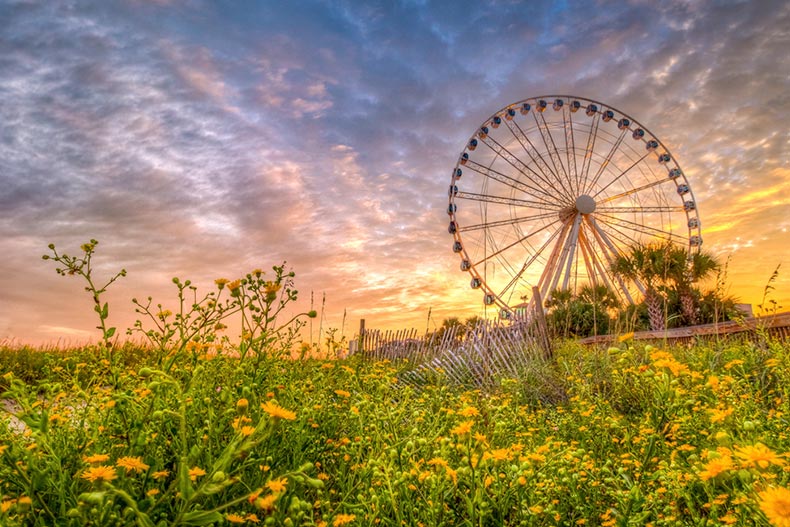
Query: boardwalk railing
x=774, y=326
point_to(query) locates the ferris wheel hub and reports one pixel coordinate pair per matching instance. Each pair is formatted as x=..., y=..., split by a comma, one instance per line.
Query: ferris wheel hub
x=585, y=204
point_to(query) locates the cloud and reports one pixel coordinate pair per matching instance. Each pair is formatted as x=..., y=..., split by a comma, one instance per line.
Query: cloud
x=206, y=140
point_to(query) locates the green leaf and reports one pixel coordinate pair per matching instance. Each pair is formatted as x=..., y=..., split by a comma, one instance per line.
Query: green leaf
x=104, y=311
x=184, y=485
x=143, y=520
x=109, y=333
x=201, y=517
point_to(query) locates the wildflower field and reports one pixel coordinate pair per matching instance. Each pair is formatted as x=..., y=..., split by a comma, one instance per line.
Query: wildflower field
x=632, y=435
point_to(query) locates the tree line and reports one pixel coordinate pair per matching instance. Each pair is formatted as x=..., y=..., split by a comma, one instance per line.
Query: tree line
x=669, y=297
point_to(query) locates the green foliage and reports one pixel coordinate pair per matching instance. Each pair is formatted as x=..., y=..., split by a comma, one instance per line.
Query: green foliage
x=625, y=436
x=631, y=435
x=81, y=266
x=582, y=315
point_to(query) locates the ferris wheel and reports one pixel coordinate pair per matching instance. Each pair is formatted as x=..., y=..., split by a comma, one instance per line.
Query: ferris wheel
x=550, y=190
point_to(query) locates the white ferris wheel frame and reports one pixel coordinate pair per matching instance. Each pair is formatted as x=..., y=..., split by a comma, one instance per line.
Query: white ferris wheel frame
x=573, y=212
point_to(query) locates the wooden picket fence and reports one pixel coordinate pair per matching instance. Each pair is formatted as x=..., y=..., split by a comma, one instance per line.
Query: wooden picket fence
x=776, y=326
x=477, y=356
x=473, y=356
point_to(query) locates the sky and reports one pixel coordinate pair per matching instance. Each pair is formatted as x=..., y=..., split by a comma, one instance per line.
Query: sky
x=205, y=139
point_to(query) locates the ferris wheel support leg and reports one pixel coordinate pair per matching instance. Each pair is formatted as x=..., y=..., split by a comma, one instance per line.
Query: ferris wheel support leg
x=573, y=240
x=548, y=272
x=607, y=246
x=597, y=268
x=528, y=264
x=570, y=240
x=589, y=262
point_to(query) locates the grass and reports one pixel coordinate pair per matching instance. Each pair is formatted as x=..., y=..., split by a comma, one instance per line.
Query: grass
x=633, y=435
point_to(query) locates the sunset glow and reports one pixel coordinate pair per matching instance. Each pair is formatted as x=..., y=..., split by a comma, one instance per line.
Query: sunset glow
x=201, y=140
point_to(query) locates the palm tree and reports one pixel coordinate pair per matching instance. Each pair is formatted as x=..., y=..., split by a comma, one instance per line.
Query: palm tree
x=600, y=295
x=650, y=265
x=684, y=272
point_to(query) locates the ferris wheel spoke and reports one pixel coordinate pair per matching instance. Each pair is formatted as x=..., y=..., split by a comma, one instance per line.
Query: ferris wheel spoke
x=639, y=210
x=644, y=229
x=588, y=152
x=606, y=161
x=621, y=174
x=570, y=250
x=511, y=245
x=512, y=221
x=546, y=174
x=592, y=262
x=513, y=161
x=597, y=269
x=624, y=238
x=487, y=198
x=551, y=147
x=551, y=264
x=529, y=263
x=509, y=181
x=610, y=253
x=570, y=146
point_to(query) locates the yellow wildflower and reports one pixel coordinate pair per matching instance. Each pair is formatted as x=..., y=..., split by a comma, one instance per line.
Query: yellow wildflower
x=100, y=474
x=161, y=474
x=343, y=519
x=271, y=287
x=266, y=503
x=720, y=414
x=151, y=493
x=437, y=461
x=234, y=285
x=342, y=393
x=463, y=428
x=247, y=430
x=196, y=472
x=759, y=456
x=277, y=485
x=675, y=367
x=469, y=411
x=132, y=464
x=499, y=454
x=95, y=458
x=732, y=364
x=775, y=504
x=274, y=410
x=235, y=518
x=221, y=282
x=715, y=467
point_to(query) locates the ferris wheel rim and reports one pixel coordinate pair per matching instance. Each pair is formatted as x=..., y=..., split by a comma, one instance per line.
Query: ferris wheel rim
x=584, y=201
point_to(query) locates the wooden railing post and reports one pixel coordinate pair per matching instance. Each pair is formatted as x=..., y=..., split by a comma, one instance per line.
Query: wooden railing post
x=543, y=328
x=361, y=337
